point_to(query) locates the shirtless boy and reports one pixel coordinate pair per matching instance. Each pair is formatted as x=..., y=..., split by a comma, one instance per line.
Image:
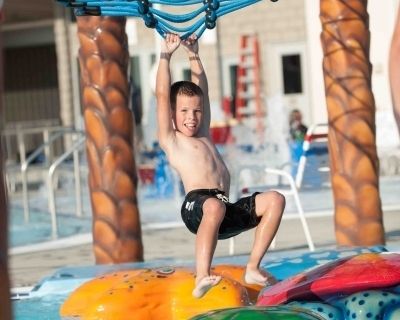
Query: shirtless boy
x=183, y=115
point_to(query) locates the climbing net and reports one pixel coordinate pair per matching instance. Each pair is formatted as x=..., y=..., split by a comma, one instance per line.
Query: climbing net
x=194, y=22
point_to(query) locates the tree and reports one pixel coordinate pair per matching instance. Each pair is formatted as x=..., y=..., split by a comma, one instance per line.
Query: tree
x=394, y=70
x=103, y=58
x=351, y=117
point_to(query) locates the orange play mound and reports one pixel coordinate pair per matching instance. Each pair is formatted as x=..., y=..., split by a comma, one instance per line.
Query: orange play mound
x=163, y=293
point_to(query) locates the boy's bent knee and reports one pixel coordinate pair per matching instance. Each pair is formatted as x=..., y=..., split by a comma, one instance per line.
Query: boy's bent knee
x=272, y=197
x=278, y=198
x=213, y=209
x=268, y=200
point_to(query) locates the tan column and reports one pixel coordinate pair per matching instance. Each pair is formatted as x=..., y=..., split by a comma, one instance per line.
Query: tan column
x=109, y=125
x=351, y=115
x=394, y=70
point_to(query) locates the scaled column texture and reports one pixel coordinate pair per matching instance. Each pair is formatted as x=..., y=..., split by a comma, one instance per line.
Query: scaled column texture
x=394, y=70
x=103, y=58
x=351, y=115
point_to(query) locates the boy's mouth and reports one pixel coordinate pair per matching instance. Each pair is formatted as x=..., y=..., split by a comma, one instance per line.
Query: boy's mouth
x=190, y=126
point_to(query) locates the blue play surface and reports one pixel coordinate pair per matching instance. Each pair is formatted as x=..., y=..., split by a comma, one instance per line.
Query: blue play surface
x=44, y=301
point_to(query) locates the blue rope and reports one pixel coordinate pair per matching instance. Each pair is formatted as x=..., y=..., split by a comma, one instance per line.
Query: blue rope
x=196, y=22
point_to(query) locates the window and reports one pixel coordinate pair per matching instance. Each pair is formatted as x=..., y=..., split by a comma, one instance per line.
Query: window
x=232, y=80
x=136, y=89
x=152, y=59
x=71, y=16
x=30, y=93
x=291, y=67
x=135, y=71
x=186, y=74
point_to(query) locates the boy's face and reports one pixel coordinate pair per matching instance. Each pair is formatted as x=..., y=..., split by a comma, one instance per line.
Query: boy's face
x=188, y=114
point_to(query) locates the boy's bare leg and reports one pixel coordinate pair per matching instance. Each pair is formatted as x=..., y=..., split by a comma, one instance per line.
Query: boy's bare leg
x=269, y=206
x=206, y=242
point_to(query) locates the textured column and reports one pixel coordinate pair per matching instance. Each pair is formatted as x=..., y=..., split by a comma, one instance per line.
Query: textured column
x=109, y=125
x=351, y=115
x=394, y=70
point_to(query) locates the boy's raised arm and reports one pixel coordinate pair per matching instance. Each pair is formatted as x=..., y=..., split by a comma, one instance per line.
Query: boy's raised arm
x=163, y=87
x=199, y=77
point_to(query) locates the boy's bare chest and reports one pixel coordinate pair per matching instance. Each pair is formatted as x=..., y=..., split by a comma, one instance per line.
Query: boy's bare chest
x=196, y=150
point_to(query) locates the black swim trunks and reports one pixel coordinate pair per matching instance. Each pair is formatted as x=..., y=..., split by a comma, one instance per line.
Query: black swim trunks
x=239, y=216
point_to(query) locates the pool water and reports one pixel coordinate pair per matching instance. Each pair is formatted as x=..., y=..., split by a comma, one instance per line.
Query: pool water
x=39, y=227
x=38, y=230
x=45, y=300
x=44, y=308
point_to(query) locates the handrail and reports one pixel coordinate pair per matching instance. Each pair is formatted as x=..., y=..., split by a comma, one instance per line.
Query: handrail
x=38, y=150
x=15, y=131
x=20, y=132
x=25, y=164
x=52, y=200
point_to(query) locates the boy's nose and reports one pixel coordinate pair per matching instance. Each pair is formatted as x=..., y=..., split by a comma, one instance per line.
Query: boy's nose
x=191, y=115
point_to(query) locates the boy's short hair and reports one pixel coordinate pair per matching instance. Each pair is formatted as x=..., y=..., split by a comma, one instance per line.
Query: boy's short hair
x=186, y=88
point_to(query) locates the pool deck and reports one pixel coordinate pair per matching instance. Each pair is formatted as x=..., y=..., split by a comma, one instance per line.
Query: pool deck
x=27, y=269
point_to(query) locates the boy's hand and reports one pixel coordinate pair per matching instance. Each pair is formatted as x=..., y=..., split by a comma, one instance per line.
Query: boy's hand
x=170, y=43
x=191, y=44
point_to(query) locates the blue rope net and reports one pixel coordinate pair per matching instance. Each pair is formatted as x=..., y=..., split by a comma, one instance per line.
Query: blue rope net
x=203, y=14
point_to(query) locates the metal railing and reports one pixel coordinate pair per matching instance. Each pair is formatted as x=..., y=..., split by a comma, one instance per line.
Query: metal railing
x=74, y=149
x=28, y=161
x=50, y=135
x=21, y=132
x=26, y=136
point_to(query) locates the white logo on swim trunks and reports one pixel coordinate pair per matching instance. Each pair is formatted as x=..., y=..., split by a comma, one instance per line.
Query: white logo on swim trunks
x=222, y=197
x=189, y=205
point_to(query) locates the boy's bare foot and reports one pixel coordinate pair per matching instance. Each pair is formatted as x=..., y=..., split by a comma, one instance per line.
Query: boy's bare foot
x=205, y=284
x=259, y=277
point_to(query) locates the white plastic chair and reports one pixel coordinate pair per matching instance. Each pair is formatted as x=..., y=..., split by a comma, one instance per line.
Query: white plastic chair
x=290, y=191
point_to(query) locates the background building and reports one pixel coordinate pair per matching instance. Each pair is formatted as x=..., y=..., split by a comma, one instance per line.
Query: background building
x=42, y=73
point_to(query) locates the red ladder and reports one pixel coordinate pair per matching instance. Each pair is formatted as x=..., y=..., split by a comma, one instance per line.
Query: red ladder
x=248, y=79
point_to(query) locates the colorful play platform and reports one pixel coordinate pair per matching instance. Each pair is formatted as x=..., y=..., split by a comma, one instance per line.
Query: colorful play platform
x=352, y=283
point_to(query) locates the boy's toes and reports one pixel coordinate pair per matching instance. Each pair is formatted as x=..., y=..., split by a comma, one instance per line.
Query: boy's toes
x=205, y=284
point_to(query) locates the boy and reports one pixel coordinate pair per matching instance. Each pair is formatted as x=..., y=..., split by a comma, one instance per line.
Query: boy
x=183, y=115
